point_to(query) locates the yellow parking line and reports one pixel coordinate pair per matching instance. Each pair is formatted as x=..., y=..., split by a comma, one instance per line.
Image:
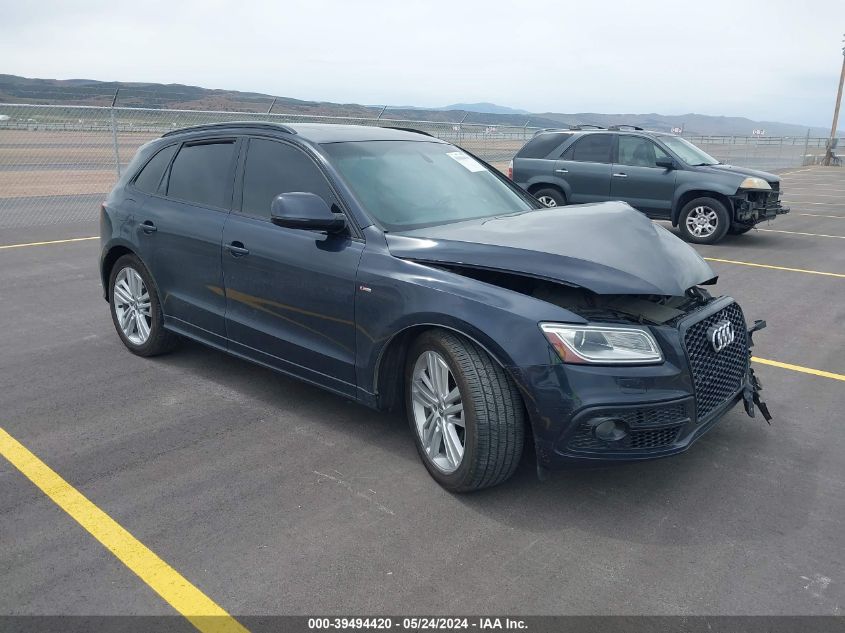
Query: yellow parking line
x=841, y=237
x=180, y=594
x=792, y=270
x=73, y=239
x=803, y=370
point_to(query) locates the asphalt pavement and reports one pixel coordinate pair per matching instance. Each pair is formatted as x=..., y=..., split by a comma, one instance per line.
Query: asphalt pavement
x=274, y=497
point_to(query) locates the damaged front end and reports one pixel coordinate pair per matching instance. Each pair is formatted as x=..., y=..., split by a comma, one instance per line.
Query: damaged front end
x=754, y=206
x=753, y=386
x=583, y=412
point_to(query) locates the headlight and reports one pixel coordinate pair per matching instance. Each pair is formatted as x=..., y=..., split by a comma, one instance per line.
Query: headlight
x=595, y=345
x=754, y=183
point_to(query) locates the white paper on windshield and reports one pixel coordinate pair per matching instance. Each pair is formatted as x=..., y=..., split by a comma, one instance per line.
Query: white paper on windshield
x=466, y=161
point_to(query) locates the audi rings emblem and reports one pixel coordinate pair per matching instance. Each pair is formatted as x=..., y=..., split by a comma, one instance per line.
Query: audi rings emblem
x=720, y=335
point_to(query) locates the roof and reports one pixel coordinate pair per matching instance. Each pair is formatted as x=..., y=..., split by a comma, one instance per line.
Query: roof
x=318, y=132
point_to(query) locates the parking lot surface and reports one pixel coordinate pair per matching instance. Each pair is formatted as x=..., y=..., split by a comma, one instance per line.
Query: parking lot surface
x=273, y=497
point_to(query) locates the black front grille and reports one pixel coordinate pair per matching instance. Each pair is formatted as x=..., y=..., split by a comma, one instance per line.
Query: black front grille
x=717, y=375
x=650, y=427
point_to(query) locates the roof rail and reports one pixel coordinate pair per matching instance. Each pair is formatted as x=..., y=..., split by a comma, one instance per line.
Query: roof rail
x=586, y=126
x=548, y=129
x=266, y=125
x=407, y=129
x=625, y=127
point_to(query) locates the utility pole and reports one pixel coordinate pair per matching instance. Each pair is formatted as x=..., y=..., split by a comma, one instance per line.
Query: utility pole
x=828, y=155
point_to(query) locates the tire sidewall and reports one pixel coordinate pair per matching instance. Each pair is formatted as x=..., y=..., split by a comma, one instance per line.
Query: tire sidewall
x=557, y=196
x=156, y=322
x=721, y=214
x=463, y=475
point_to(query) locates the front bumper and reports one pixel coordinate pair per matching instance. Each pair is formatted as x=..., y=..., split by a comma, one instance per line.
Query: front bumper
x=661, y=409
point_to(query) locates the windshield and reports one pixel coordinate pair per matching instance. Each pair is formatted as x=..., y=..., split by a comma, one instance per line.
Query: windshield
x=412, y=184
x=688, y=152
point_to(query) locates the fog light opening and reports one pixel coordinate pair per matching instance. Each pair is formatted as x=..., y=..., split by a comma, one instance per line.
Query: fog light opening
x=609, y=430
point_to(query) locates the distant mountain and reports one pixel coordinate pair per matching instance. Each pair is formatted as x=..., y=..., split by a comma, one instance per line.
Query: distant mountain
x=14, y=89
x=484, y=107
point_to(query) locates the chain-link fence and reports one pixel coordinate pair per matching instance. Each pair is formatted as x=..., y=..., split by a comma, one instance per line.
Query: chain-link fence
x=57, y=162
x=768, y=153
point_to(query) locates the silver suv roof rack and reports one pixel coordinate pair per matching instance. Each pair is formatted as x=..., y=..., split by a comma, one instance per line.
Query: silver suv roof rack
x=625, y=127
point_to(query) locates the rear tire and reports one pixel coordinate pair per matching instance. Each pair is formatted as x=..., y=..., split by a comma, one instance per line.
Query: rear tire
x=703, y=221
x=135, y=309
x=489, y=429
x=550, y=197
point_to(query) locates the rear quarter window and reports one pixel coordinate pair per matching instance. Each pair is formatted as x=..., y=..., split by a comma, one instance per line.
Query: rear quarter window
x=541, y=145
x=149, y=178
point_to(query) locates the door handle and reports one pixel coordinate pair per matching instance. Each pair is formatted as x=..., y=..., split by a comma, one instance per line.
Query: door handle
x=561, y=171
x=237, y=249
x=148, y=227
x=620, y=175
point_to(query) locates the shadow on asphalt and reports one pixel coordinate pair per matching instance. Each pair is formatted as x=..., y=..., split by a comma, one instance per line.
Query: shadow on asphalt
x=686, y=498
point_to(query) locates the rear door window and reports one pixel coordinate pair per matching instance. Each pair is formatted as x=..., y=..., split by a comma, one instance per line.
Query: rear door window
x=149, y=179
x=541, y=145
x=272, y=168
x=202, y=173
x=593, y=148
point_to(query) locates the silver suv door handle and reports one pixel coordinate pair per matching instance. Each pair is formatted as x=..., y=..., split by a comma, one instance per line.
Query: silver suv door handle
x=620, y=175
x=561, y=171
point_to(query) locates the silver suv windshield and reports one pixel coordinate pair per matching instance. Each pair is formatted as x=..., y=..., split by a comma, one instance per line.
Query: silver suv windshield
x=688, y=152
x=413, y=184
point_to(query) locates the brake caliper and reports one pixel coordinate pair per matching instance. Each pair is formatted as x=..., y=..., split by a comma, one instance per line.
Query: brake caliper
x=753, y=386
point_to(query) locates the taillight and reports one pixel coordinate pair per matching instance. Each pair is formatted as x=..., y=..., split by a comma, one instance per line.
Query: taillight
x=510, y=170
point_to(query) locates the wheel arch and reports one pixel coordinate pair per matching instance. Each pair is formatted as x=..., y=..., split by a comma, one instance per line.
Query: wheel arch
x=391, y=360
x=535, y=187
x=110, y=257
x=685, y=196
x=108, y=261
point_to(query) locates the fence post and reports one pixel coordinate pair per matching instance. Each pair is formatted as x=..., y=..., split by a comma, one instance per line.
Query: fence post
x=806, y=148
x=114, y=134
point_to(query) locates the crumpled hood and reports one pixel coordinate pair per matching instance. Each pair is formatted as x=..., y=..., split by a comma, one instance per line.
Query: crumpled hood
x=608, y=248
x=740, y=172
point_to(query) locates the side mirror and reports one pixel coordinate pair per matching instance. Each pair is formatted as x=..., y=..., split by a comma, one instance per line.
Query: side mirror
x=666, y=163
x=300, y=210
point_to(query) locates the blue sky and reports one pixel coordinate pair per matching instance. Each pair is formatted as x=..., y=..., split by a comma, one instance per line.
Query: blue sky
x=775, y=60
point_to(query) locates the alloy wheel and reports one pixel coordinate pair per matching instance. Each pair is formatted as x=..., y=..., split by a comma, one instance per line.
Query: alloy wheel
x=438, y=412
x=132, y=306
x=548, y=201
x=702, y=221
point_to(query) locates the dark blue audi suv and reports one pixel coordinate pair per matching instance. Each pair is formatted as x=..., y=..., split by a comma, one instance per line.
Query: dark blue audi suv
x=399, y=270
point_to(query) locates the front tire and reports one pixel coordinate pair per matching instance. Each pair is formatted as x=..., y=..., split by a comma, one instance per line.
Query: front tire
x=550, y=197
x=135, y=309
x=704, y=221
x=466, y=414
